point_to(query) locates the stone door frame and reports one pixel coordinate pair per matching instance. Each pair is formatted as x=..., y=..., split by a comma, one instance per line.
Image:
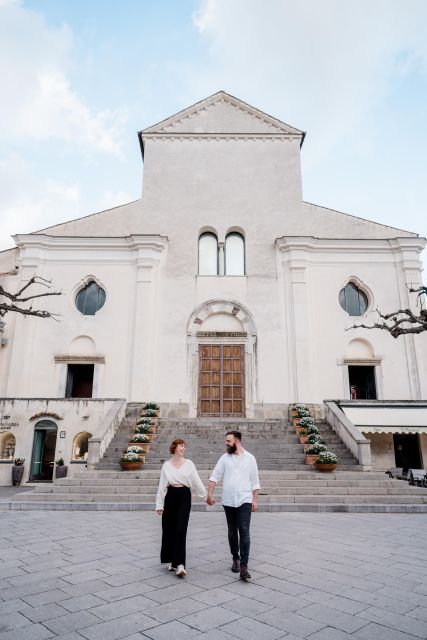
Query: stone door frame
x=196, y=337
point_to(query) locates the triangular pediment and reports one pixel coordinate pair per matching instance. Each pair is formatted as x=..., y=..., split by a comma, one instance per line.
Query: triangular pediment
x=220, y=114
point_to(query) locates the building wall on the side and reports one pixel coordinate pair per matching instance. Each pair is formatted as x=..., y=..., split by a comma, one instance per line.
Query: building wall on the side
x=76, y=416
x=32, y=371
x=382, y=451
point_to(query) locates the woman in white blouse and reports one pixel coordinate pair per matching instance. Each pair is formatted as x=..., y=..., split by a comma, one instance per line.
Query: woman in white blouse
x=178, y=478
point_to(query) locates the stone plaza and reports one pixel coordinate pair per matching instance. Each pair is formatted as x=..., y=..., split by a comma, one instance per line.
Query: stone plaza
x=324, y=576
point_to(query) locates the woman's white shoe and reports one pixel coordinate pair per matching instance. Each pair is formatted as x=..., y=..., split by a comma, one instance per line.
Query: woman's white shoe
x=171, y=567
x=181, y=572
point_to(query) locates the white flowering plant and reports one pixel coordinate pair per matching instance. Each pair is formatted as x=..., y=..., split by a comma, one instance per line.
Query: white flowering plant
x=151, y=405
x=306, y=422
x=143, y=428
x=134, y=449
x=140, y=437
x=312, y=429
x=316, y=448
x=314, y=437
x=128, y=456
x=327, y=457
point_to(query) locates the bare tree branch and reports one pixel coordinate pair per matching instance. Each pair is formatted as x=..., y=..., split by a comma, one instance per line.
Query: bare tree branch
x=403, y=321
x=16, y=299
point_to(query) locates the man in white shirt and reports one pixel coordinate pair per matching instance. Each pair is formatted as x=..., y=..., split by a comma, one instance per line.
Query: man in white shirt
x=240, y=487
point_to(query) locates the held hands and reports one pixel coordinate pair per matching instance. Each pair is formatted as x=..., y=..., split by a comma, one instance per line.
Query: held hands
x=210, y=500
x=254, y=505
x=159, y=512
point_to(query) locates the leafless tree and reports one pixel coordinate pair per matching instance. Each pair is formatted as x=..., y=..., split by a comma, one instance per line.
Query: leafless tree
x=403, y=321
x=22, y=300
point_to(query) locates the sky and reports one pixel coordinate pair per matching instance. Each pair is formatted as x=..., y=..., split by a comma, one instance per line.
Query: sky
x=80, y=78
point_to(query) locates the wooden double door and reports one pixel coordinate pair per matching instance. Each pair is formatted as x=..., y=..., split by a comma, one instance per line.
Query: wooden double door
x=221, y=380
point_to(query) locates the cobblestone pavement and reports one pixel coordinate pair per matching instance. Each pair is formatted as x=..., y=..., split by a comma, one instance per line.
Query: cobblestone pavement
x=331, y=576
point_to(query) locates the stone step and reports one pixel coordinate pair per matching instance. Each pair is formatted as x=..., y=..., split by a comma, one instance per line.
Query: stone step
x=272, y=499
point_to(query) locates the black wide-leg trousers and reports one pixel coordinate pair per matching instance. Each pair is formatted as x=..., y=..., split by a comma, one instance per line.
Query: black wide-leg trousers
x=175, y=517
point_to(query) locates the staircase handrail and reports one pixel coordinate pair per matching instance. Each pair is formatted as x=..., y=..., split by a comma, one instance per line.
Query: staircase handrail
x=105, y=432
x=359, y=446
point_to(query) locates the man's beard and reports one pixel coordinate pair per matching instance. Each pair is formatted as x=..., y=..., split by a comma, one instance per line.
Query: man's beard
x=231, y=448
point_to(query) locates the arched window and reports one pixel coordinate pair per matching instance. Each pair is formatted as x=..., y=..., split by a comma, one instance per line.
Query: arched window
x=353, y=300
x=208, y=254
x=90, y=299
x=7, y=446
x=234, y=255
x=81, y=445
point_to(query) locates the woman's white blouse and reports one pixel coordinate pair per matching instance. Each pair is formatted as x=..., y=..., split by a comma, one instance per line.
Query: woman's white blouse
x=185, y=476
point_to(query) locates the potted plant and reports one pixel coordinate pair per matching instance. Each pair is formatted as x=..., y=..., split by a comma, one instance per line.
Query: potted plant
x=327, y=461
x=296, y=408
x=17, y=471
x=304, y=423
x=145, y=429
x=312, y=438
x=150, y=409
x=313, y=452
x=60, y=469
x=130, y=461
x=142, y=440
x=312, y=429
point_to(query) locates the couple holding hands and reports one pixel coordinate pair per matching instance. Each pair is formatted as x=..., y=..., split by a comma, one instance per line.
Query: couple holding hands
x=240, y=487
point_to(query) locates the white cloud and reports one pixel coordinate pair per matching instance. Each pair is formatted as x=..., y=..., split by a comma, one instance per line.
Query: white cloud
x=38, y=101
x=29, y=203
x=327, y=64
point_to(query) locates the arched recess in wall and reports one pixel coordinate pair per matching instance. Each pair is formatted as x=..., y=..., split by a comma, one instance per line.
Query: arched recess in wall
x=7, y=446
x=227, y=329
x=81, y=445
x=82, y=345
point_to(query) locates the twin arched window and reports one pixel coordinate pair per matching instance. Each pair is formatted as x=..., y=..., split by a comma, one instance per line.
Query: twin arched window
x=216, y=259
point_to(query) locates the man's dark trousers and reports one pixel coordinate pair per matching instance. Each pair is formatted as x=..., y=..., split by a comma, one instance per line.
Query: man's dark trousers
x=238, y=521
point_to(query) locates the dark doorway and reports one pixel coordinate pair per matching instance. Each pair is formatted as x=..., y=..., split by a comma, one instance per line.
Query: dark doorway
x=362, y=383
x=44, y=445
x=79, y=381
x=407, y=450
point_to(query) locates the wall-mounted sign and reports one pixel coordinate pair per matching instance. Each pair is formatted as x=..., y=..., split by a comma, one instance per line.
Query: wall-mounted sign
x=4, y=426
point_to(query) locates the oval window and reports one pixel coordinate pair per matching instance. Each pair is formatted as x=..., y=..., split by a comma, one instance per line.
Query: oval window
x=353, y=300
x=90, y=299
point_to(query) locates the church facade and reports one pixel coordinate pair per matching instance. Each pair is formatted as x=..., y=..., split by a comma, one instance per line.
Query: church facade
x=220, y=293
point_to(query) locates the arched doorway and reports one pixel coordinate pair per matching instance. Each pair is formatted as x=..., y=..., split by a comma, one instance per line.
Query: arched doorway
x=222, y=360
x=43, y=456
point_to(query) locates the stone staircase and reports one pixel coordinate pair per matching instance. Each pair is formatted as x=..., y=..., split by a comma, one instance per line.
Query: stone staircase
x=273, y=442
x=287, y=484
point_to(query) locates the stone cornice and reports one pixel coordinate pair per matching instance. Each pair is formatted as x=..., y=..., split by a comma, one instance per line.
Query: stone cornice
x=352, y=245
x=212, y=137
x=73, y=359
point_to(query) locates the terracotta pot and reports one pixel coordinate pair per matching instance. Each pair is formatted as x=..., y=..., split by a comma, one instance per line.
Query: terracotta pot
x=131, y=466
x=303, y=438
x=294, y=413
x=325, y=467
x=311, y=459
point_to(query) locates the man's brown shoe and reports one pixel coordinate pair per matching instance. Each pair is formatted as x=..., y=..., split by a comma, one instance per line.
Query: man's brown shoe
x=235, y=567
x=244, y=573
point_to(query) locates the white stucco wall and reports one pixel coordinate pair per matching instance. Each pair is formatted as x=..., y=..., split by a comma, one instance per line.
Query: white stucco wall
x=76, y=416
